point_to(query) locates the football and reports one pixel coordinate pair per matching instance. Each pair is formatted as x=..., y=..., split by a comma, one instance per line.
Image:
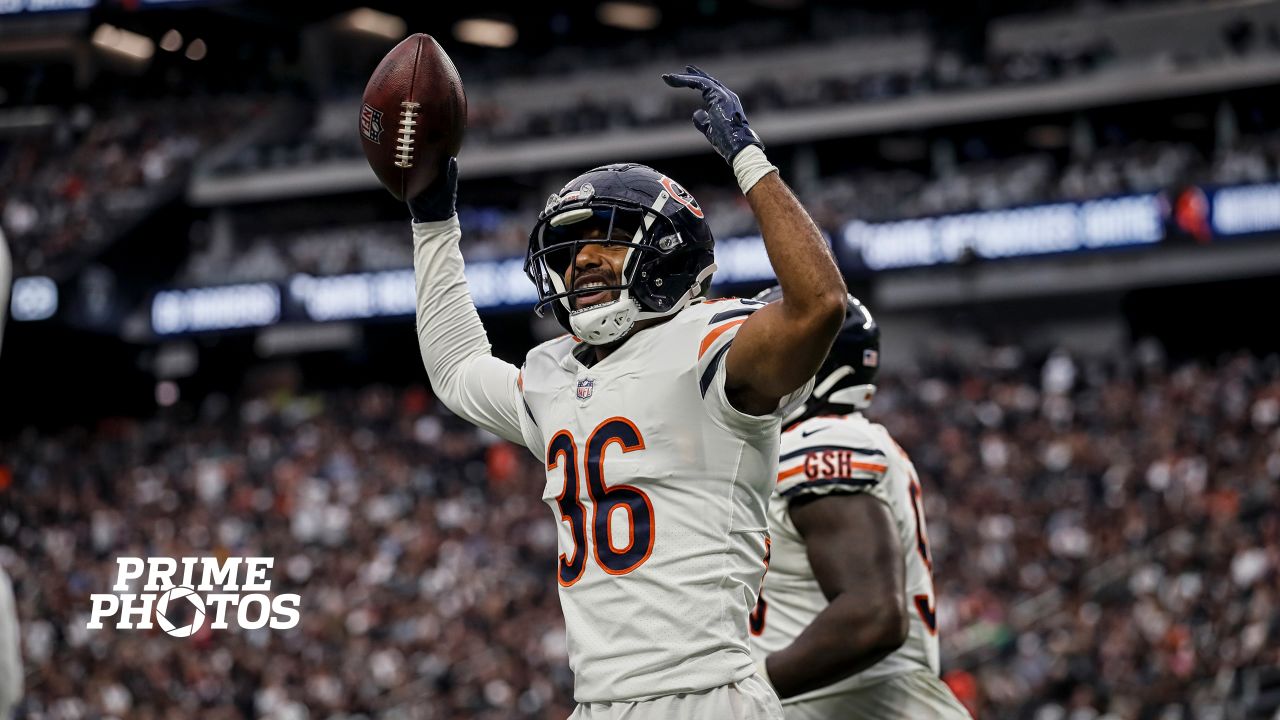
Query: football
x=413, y=114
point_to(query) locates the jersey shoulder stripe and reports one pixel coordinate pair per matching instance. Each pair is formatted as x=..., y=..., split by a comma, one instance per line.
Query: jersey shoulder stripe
x=737, y=310
x=792, y=454
x=710, y=338
x=848, y=460
x=714, y=325
x=709, y=372
x=827, y=487
x=729, y=314
x=726, y=316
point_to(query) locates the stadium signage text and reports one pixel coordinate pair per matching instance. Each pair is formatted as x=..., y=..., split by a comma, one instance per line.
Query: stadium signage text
x=1020, y=232
x=1247, y=209
x=233, y=587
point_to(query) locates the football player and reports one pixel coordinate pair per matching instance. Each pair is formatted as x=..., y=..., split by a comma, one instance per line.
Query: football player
x=656, y=417
x=846, y=624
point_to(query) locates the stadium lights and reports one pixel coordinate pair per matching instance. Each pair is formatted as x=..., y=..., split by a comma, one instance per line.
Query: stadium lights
x=197, y=50
x=486, y=32
x=171, y=41
x=374, y=22
x=628, y=15
x=123, y=42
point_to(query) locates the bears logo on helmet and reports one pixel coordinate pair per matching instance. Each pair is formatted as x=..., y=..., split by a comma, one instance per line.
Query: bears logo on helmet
x=682, y=196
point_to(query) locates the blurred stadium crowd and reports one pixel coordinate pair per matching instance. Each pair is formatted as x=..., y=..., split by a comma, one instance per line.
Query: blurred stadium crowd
x=1105, y=534
x=72, y=189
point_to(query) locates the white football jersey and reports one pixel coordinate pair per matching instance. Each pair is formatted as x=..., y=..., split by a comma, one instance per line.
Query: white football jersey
x=844, y=454
x=660, y=489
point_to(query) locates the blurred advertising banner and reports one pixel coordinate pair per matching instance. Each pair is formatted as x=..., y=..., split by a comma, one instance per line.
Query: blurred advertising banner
x=1017, y=232
x=1129, y=221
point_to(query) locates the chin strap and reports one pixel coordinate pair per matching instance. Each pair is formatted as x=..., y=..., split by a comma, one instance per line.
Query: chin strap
x=605, y=323
x=608, y=322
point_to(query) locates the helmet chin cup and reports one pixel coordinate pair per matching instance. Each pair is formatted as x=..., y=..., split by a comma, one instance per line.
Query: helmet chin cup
x=605, y=323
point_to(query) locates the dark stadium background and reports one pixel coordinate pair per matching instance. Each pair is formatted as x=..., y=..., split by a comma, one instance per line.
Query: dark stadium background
x=1095, y=412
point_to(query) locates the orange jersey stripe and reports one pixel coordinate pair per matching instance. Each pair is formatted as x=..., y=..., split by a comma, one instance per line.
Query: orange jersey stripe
x=788, y=473
x=873, y=467
x=711, y=336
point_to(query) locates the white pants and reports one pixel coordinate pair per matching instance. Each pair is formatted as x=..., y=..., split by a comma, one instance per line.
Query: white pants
x=911, y=696
x=750, y=699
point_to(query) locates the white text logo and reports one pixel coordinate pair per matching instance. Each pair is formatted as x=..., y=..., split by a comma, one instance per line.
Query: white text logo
x=185, y=593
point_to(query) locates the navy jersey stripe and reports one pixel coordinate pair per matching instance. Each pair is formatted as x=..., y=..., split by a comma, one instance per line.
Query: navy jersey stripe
x=850, y=483
x=736, y=312
x=529, y=411
x=824, y=448
x=709, y=374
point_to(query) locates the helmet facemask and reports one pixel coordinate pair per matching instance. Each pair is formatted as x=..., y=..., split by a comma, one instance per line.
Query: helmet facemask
x=563, y=231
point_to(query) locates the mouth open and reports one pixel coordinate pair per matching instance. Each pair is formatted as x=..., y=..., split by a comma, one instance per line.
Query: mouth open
x=582, y=302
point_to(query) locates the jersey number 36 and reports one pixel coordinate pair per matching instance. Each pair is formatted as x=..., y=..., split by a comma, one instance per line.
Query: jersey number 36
x=562, y=451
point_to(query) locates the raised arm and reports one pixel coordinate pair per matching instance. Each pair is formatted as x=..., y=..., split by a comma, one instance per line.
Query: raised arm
x=478, y=387
x=778, y=349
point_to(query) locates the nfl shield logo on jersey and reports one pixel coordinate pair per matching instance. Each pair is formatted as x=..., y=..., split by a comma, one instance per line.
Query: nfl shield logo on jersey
x=585, y=387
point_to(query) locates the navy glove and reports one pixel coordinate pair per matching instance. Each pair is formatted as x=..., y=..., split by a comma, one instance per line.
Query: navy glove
x=438, y=201
x=722, y=121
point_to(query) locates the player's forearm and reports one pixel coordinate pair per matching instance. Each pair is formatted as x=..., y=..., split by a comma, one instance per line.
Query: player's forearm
x=813, y=292
x=812, y=289
x=455, y=350
x=449, y=329
x=847, y=637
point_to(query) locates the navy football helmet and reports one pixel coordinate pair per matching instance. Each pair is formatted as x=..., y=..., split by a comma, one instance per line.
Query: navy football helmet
x=847, y=377
x=669, y=259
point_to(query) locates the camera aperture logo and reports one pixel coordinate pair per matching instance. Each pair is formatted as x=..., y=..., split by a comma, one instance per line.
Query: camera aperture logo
x=205, y=590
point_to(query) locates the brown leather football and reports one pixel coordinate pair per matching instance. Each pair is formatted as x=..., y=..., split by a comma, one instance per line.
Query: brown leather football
x=413, y=114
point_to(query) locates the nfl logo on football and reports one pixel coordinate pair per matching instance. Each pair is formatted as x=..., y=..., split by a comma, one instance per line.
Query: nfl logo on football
x=586, y=386
x=371, y=124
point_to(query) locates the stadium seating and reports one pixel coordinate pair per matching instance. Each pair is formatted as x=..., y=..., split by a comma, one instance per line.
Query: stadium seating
x=71, y=190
